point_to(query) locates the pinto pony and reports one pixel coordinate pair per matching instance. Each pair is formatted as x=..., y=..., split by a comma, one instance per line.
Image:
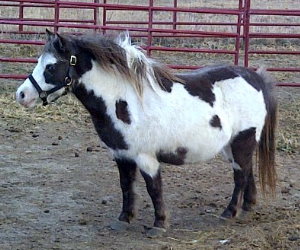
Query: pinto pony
x=147, y=115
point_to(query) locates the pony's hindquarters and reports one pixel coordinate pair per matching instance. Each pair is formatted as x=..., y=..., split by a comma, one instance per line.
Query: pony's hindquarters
x=267, y=145
x=256, y=127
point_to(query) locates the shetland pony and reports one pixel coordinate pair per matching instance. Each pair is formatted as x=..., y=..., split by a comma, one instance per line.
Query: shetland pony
x=146, y=115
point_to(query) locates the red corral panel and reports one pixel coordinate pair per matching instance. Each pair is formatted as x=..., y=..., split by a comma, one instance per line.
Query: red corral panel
x=179, y=32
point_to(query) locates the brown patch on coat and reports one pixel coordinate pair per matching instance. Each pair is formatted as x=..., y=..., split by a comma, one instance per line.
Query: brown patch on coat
x=122, y=112
x=176, y=158
x=215, y=122
x=103, y=123
x=200, y=83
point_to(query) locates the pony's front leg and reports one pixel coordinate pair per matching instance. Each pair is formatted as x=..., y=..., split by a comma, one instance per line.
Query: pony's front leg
x=127, y=171
x=150, y=170
x=154, y=188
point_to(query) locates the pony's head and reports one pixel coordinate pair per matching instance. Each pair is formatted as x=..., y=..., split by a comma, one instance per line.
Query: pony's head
x=53, y=74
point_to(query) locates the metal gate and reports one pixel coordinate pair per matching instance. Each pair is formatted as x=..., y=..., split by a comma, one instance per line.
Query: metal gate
x=179, y=27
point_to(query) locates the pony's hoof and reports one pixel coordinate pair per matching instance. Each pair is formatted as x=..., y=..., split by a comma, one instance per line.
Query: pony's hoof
x=246, y=214
x=224, y=220
x=248, y=207
x=155, y=232
x=119, y=225
x=228, y=215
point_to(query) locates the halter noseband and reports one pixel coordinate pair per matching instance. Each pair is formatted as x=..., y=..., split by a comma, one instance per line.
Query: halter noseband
x=67, y=82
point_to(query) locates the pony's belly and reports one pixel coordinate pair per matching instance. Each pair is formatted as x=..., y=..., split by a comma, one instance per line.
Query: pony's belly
x=201, y=155
x=192, y=153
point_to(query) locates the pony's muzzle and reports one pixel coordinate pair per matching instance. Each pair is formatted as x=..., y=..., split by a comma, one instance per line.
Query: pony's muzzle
x=25, y=97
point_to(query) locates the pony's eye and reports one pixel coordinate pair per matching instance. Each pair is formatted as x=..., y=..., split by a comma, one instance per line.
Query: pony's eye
x=50, y=68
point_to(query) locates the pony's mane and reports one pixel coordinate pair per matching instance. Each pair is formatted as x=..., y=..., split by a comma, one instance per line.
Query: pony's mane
x=128, y=59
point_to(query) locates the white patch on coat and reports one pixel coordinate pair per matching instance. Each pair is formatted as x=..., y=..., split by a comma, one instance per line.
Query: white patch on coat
x=31, y=94
x=244, y=105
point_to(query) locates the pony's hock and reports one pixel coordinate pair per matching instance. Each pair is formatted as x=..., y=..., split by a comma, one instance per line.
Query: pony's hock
x=146, y=115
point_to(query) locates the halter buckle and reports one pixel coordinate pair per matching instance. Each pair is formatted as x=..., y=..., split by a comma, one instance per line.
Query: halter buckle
x=73, y=60
x=68, y=81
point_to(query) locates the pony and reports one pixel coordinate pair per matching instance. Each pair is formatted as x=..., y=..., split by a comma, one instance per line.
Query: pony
x=148, y=115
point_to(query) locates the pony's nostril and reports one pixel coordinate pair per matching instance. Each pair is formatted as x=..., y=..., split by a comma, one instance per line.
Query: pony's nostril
x=22, y=95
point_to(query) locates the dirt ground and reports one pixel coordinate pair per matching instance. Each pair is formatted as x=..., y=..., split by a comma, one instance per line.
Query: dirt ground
x=59, y=188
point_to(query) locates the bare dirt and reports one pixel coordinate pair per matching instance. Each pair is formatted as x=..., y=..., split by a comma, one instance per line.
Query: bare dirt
x=59, y=189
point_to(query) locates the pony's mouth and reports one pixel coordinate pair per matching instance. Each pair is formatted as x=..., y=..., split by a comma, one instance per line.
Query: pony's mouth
x=29, y=104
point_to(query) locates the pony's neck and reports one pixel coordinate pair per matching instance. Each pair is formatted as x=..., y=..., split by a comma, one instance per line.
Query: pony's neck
x=108, y=85
x=98, y=91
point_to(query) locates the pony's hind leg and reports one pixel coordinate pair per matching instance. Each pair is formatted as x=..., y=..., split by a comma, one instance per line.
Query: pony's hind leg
x=242, y=148
x=249, y=193
x=127, y=171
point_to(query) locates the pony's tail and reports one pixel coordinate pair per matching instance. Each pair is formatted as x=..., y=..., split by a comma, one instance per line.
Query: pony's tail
x=267, y=144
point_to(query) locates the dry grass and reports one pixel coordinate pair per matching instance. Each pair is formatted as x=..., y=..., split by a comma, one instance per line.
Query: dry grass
x=288, y=137
x=67, y=109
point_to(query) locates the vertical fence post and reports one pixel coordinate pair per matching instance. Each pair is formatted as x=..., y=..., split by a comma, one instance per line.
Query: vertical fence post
x=21, y=15
x=175, y=17
x=150, y=22
x=56, y=16
x=104, y=17
x=246, y=24
x=238, y=31
x=96, y=16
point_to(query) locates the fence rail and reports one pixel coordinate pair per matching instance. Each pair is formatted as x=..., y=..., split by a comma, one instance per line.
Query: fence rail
x=240, y=29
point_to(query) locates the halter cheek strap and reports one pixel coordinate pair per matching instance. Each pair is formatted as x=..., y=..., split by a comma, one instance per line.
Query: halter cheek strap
x=67, y=82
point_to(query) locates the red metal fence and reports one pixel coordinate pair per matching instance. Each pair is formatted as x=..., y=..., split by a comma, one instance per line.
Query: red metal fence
x=153, y=22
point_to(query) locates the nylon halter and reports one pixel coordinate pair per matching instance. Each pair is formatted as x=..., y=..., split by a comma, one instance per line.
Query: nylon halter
x=66, y=84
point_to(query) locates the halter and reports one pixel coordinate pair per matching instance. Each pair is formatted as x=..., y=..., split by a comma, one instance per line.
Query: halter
x=66, y=84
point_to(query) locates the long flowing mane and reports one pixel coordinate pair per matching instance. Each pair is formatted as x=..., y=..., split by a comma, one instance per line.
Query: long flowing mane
x=127, y=59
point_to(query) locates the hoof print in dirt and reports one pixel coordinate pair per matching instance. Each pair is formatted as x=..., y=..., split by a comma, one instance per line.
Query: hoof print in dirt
x=155, y=232
x=119, y=226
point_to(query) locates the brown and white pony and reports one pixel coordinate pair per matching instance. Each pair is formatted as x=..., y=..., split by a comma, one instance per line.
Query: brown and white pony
x=147, y=116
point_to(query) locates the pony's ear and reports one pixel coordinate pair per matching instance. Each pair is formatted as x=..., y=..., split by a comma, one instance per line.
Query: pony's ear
x=60, y=43
x=50, y=35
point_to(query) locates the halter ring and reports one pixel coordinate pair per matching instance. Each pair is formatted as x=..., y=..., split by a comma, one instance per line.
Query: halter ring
x=43, y=94
x=68, y=81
